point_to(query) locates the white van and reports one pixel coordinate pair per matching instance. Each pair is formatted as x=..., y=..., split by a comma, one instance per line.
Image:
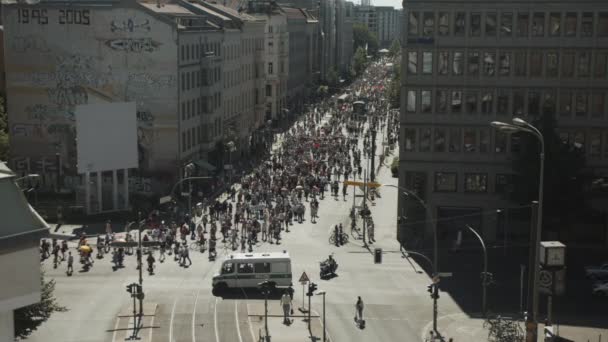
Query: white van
x=247, y=270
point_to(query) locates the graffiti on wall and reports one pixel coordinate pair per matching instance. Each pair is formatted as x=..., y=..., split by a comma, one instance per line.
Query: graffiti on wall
x=21, y=44
x=145, y=118
x=45, y=113
x=140, y=185
x=27, y=130
x=133, y=45
x=79, y=70
x=68, y=96
x=130, y=26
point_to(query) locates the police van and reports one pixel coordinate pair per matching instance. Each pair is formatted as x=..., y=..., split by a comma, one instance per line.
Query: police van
x=247, y=270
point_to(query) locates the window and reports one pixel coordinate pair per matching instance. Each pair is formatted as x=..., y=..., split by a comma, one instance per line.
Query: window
x=425, y=101
x=602, y=24
x=601, y=61
x=555, y=24
x=471, y=102
x=458, y=63
x=484, y=140
x=460, y=23
x=565, y=103
x=427, y=63
x=470, y=140
x=473, y=63
x=425, y=140
x=520, y=63
x=446, y=181
x=227, y=268
x=568, y=64
x=581, y=104
x=533, y=103
x=489, y=63
x=411, y=101
x=454, y=142
x=503, y=183
x=587, y=24
x=261, y=267
x=500, y=143
x=598, y=99
x=552, y=64
x=490, y=24
x=538, y=24
x=523, y=21
x=487, y=102
x=246, y=267
x=548, y=101
x=410, y=139
x=584, y=64
x=504, y=63
x=412, y=63
x=595, y=141
x=475, y=30
x=439, y=140
x=444, y=23
x=502, y=102
x=268, y=90
x=428, y=24
x=475, y=182
x=506, y=24
x=536, y=64
x=518, y=103
x=579, y=140
x=270, y=68
x=571, y=24
x=441, y=101
x=443, y=63
x=456, y=102
x=413, y=24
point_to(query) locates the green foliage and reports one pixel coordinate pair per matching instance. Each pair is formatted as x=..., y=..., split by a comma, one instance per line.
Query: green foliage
x=563, y=177
x=3, y=130
x=394, y=89
x=332, y=77
x=29, y=318
x=359, y=60
x=363, y=37
x=395, y=48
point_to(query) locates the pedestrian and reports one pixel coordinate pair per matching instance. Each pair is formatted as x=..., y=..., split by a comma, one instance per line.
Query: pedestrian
x=359, y=307
x=337, y=236
x=290, y=291
x=163, y=247
x=70, y=269
x=186, y=256
x=286, y=304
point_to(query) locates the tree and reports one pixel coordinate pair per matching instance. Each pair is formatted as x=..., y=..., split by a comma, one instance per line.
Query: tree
x=3, y=130
x=563, y=193
x=395, y=48
x=394, y=90
x=359, y=60
x=364, y=38
x=29, y=318
x=332, y=77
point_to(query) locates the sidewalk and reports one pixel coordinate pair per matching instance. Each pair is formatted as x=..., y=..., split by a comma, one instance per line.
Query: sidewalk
x=296, y=331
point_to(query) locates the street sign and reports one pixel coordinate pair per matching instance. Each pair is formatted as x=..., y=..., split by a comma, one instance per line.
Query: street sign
x=165, y=199
x=369, y=184
x=304, y=278
x=444, y=274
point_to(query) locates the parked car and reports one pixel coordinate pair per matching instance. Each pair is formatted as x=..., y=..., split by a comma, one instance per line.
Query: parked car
x=596, y=272
x=600, y=289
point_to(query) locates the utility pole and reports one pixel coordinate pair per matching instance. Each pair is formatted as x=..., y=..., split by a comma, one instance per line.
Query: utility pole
x=364, y=210
x=140, y=295
x=373, y=153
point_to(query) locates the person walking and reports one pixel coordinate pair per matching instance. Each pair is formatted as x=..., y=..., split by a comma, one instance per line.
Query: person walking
x=70, y=269
x=186, y=256
x=286, y=304
x=359, y=307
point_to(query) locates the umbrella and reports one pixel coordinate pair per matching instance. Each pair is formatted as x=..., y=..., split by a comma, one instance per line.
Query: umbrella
x=299, y=187
x=120, y=240
x=85, y=248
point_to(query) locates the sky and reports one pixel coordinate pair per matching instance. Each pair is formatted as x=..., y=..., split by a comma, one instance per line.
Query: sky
x=393, y=3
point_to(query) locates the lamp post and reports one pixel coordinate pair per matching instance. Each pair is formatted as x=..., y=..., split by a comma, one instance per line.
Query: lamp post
x=520, y=125
x=31, y=175
x=322, y=292
x=485, y=270
x=435, y=263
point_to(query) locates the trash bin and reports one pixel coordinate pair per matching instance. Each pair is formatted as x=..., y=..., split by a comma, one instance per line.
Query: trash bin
x=378, y=255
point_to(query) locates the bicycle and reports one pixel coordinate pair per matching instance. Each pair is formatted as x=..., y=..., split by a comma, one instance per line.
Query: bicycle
x=196, y=245
x=332, y=238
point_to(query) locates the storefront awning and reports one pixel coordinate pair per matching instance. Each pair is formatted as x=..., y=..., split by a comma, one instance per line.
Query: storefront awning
x=203, y=164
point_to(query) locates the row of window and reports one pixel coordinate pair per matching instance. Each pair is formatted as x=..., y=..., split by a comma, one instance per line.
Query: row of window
x=204, y=104
x=241, y=102
x=508, y=24
x=193, y=52
x=578, y=103
x=246, y=72
x=510, y=63
x=487, y=140
x=199, y=134
x=199, y=78
x=473, y=182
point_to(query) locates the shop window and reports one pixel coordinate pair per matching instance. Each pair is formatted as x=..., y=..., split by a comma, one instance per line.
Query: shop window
x=502, y=102
x=579, y=140
x=598, y=102
x=441, y=101
x=515, y=142
x=471, y=102
x=506, y=24
x=568, y=64
x=601, y=63
x=602, y=24
x=460, y=23
x=456, y=102
x=412, y=63
x=487, y=102
x=518, y=103
x=446, y=181
x=489, y=63
x=504, y=63
x=520, y=63
x=484, y=140
x=523, y=22
x=425, y=101
x=411, y=101
x=548, y=101
x=555, y=24
x=504, y=183
x=444, y=23
x=584, y=64
x=476, y=182
x=443, y=62
x=425, y=140
x=595, y=145
x=552, y=64
x=475, y=30
x=587, y=24
x=410, y=139
x=571, y=22
x=565, y=103
x=536, y=64
x=439, y=142
x=428, y=24
x=533, y=103
x=413, y=24
x=470, y=140
x=427, y=63
x=455, y=138
x=538, y=24
x=473, y=63
x=458, y=63
x=490, y=24
x=500, y=142
x=580, y=110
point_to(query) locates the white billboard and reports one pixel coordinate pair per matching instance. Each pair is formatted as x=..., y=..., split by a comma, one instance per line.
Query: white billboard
x=106, y=136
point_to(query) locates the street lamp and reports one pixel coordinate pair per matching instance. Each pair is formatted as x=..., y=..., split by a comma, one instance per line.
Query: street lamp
x=484, y=278
x=322, y=292
x=519, y=125
x=31, y=175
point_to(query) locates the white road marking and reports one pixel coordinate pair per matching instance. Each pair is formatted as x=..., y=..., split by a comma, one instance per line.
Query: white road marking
x=151, y=328
x=236, y=320
x=115, y=327
x=250, y=325
x=171, y=321
x=194, y=317
x=217, y=336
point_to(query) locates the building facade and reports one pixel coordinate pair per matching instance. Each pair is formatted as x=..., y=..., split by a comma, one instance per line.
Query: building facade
x=300, y=26
x=344, y=36
x=468, y=63
x=387, y=19
x=366, y=15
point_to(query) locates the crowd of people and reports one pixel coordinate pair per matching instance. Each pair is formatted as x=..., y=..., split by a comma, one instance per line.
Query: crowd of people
x=327, y=145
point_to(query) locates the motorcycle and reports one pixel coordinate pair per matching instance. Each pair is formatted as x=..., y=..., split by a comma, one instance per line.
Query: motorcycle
x=328, y=268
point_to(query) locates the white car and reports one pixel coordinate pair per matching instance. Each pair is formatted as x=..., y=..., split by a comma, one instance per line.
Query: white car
x=600, y=289
x=597, y=272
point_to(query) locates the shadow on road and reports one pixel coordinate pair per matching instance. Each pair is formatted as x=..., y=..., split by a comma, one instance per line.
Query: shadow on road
x=248, y=294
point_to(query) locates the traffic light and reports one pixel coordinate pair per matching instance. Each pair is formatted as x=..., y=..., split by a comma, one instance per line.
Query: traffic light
x=430, y=289
x=130, y=288
x=312, y=287
x=436, y=292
